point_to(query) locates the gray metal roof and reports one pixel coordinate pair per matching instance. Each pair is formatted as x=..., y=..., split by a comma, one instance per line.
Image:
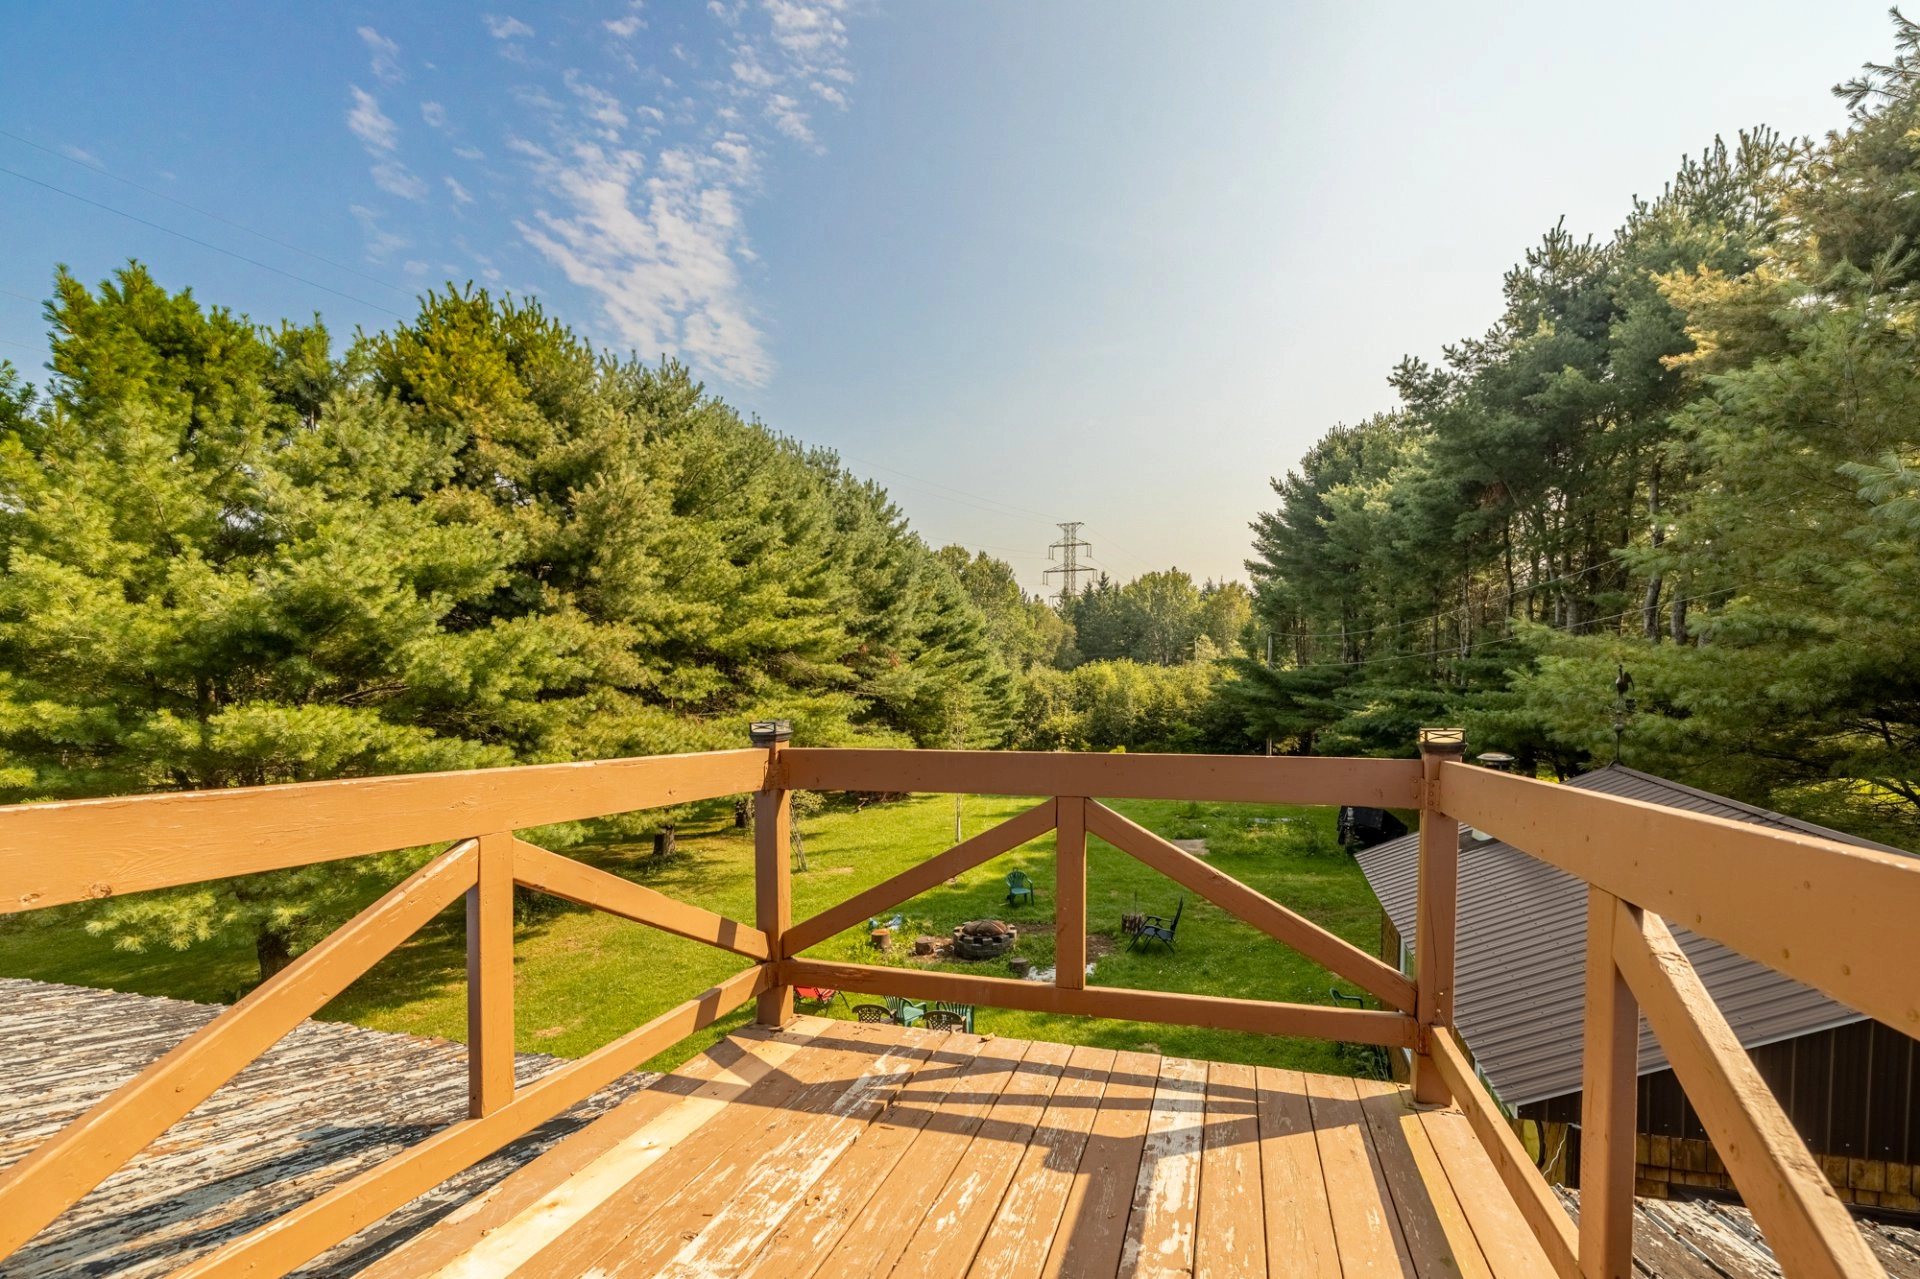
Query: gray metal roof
x=1521, y=950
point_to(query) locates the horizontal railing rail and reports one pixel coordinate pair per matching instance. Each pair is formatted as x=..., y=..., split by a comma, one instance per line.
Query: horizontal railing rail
x=1829, y=914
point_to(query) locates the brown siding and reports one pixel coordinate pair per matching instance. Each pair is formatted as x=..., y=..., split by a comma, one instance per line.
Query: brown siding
x=1849, y=1091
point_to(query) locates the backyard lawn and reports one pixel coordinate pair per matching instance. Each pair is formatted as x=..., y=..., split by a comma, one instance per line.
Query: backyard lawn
x=583, y=978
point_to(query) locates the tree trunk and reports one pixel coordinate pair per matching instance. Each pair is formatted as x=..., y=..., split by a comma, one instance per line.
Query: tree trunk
x=663, y=843
x=1677, y=617
x=1657, y=534
x=273, y=952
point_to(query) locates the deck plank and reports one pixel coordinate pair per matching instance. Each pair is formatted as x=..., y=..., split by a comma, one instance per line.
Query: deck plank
x=807, y=1234
x=1505, y=1239
x=1231, y=1239
x=1299, y=1221
x=634, y=1203
x=547, y=1196
x=715, y=1224
x=1030, y=1214
x=944, y=1245
x=1439, y=1238
x=882, y=1231
x=1365, y=1229
x=1093, y=1224
x=1166, y=1195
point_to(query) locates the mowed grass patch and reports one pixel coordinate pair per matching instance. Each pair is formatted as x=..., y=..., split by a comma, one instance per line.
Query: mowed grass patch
x=583, y=978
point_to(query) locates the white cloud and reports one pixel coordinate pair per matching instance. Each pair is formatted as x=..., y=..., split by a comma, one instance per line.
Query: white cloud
x=381, y=138
x=374, y=127
x=470, y=153
x=385, y=56
x=396, y=178
x=507, y=28
x=434, y=114
x=598, y=106
x=657, y=245
x=459, y=193
x=787, y=117
x=380, y=242
x=626, y=27
x=81, y=154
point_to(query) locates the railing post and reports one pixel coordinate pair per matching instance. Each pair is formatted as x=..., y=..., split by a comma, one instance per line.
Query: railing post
x=1436, y=908
x=490, y=978
x=772, y=868
x=1070, y=892
x=1609, y=1080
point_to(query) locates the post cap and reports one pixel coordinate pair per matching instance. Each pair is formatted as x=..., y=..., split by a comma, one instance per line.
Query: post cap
x=1443, y=741
x=765, y=732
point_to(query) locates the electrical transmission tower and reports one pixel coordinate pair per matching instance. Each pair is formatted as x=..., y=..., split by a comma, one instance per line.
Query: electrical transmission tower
x=1070, y=567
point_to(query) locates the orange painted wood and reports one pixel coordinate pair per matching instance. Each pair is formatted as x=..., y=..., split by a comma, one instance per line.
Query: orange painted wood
x=1609, y=1078
x=1836, y=917
x=572, y=1177
x=808, y=1233
x=1529, y=1190
x=773, y=883
x=1310, y=1021
x=1299, y=1220
x=1502, y=1233
x=549, y=872
x=933, y=872
x=1093, y=1223
x=1231, y=1241
x=490, y=978
x=1070, y=894
x=84, y=1153
x=1433, y=1224
x=298, y=1236
x=1366, y=1229
x=90, y=848
x=957, y=1221
x=1166, y=1195
x=1805, y=1223
x=1436, y=914
x=1029, y=1215
x=1334, y=953
x=897, y=1208
x=1249, y=779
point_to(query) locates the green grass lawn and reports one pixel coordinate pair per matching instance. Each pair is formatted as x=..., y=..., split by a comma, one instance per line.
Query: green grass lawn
x=582, y=978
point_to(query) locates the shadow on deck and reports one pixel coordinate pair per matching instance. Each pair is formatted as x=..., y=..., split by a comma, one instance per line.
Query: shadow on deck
x=835, y=1148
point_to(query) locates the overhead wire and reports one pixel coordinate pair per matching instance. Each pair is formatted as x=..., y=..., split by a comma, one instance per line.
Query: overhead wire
x=205, y=244
x=105, y=172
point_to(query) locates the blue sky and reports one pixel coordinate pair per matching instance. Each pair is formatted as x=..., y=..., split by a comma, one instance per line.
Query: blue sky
x=1114, y=262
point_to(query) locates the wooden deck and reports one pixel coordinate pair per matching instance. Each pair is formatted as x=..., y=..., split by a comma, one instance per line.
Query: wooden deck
x=836, y=1148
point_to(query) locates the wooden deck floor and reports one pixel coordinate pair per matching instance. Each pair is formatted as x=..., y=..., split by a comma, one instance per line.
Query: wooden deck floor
x=835, y=1148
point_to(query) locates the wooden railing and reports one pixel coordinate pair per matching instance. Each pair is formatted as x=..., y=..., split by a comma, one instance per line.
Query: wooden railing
x=1831, y=915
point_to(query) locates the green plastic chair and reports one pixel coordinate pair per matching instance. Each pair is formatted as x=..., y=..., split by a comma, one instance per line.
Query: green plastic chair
x=905, y=1011
x=1019, y=888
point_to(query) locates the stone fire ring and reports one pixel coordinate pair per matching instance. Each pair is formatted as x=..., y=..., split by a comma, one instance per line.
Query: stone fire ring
x=983, y=939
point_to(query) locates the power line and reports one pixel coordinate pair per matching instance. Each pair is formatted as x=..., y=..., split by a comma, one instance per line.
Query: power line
x=240, y=257
x=974, y=498
x=205, y=213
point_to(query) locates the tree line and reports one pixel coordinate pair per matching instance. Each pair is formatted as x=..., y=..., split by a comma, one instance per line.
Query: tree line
x=1668, y=503
x=234, y=554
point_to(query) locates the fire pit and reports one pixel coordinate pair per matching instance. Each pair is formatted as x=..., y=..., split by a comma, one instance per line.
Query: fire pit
x=983, y=939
